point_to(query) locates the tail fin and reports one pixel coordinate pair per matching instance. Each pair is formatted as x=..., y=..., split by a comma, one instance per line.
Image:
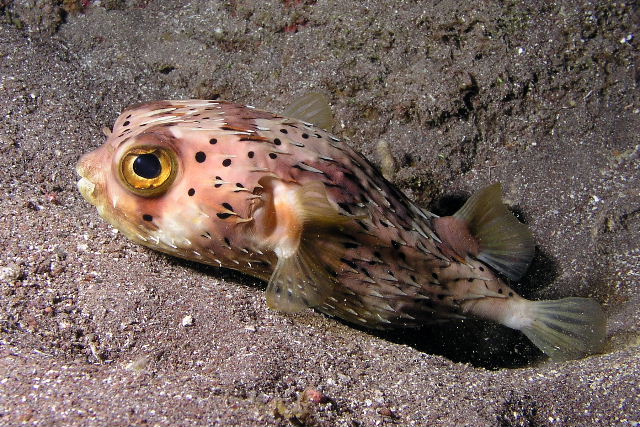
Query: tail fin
x=566, y=329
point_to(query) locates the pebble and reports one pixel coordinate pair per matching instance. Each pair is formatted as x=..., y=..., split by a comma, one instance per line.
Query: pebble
x=187, y=321
x=10, y=273
x=139, y=364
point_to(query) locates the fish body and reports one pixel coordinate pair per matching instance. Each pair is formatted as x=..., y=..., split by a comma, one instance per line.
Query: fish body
x=283, y=200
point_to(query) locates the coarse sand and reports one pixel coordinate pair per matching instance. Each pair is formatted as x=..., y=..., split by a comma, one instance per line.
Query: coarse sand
x=542, y=96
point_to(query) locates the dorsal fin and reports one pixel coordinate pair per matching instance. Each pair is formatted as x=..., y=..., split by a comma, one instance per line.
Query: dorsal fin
x=313, y=108
x=309, y=254
x=485, y=228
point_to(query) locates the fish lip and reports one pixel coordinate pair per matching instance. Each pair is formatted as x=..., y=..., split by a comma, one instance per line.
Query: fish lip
x=85, y=185
x=86, y=188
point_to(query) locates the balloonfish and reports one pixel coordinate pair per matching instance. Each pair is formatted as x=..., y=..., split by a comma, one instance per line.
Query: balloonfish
x=281, y=199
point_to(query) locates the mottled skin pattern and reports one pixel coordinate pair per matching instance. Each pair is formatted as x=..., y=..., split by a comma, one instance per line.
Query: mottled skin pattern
x=393, y=268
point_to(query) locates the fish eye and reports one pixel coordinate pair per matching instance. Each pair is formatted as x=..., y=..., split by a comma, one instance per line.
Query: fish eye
x=148, y=171
x=147, y=166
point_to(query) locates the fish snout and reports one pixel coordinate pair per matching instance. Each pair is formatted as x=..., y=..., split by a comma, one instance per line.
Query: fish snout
x=86, y=188
x=89, y=175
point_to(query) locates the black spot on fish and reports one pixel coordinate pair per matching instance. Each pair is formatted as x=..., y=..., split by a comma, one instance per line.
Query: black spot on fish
x=434, y=275
x=305, y=135
x=331, y=272
x=226, y=162
x=227, y=241
x=481, y=268
x=227, y=206
x=406, y=226
x=500, y=290
x=413, y=278
x=191, y=192
x=402, y=256
x=239, y=185
x=351, y=245
x=377, y=254
x=349, y=263
x=510, y=294
x=277, y=141
x=396, y=245
x=350, y=175
x=223, y=215
x=273, y=155
x=213, y=141
x=250, y=154
x=284, y=131
x=345, y=207
x=366, y=272
x=331, y=184
x=200, y=157
x=218, y=179
x=363, y=225
x=318, y=135
x=384, y=224
x=147, y=217
x=469, y=280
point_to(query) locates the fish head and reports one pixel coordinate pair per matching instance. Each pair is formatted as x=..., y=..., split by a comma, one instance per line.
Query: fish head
x=132, y=180
x=210, y=181
x=149, y=180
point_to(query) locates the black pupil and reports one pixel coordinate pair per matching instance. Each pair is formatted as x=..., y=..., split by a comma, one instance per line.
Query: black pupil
x=147, y=166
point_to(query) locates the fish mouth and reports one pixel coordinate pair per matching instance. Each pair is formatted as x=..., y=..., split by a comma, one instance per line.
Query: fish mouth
x=86, y=188
x=85, y=185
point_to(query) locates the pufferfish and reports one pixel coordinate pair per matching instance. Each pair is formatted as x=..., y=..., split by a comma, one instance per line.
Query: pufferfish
x=281, y=199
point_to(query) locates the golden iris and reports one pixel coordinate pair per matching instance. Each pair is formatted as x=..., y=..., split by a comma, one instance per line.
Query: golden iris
x=148, y=171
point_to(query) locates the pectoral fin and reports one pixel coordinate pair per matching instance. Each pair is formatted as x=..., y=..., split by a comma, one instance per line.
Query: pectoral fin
x=299, y=282
x=309, y=255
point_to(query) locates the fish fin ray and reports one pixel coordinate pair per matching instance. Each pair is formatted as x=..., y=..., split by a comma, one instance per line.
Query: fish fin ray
x=567, y=329
x=303, y=275
x=313, y=108
x=298, y=282
x=504, y=243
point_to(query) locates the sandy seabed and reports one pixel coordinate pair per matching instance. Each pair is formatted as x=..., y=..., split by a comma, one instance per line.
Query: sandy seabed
x=542, y=97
